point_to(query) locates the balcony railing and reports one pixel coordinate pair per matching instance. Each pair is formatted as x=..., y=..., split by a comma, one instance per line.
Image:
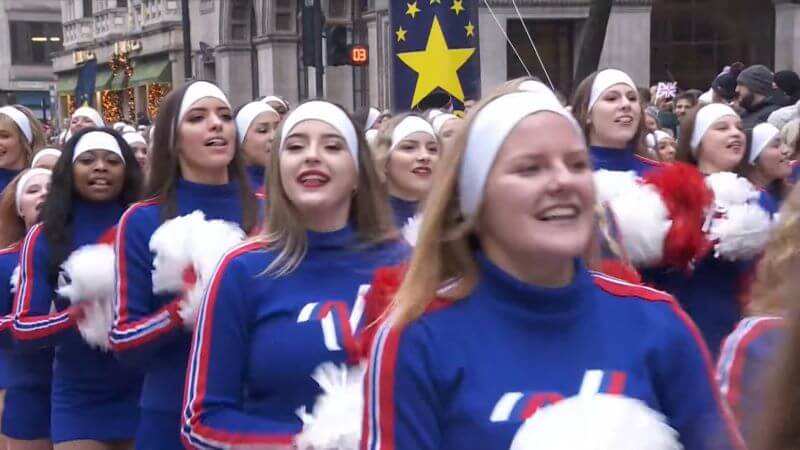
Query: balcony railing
x=157, y=12
x=78, y=32
x=111, y=22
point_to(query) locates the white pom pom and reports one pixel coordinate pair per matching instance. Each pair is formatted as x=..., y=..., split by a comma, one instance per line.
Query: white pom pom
x=88, y=277
x=207, y=242
x=335, y=423
x=170, y=244
x=730, y=189
x=741, y=233
x=411, y=229
x=610, y=184
x=596, y=422
x=14, y=280
x=643, y=221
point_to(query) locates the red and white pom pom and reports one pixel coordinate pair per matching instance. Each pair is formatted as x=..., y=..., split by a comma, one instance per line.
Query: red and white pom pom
x=643, y=221
x=335, y=423
x=208, y=242
x=171, y=245
x=611, y=184
x=738, y=225
x=596, y=422
x=411, y=229
x=88, y=278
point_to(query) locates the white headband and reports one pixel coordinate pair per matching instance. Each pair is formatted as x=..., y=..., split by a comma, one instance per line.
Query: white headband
x=488, y=132
x=439, y=121
x=97, y=140
x=273, y=98
x=409, y=126
x=24, y=180
x=655, y=137
x=763, y=134
x=705, y=118
x=604, y=80
x=200, y=90
x=45, y=152
x=118, y=126
x=536, y=87
x=372, y=117
x=328, y=113
x=91, y=113
x=248, y=114
x=20, y=119
x=134, y=138
x=371, y=136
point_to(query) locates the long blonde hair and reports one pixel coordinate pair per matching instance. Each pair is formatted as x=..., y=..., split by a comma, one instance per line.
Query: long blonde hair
x=285, y=232
x=37, y=133
x=443, y=253
x=775, y=287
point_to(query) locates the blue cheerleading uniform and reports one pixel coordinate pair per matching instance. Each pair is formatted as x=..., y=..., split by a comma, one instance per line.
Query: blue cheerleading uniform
x=467, y=374
x=768, y=202
x=620, y=159
x=403, y=210
x=258, y=177
x=259, y=338
x=747, y=357
x=148, y=333
x=6, y=175
x=93, y=396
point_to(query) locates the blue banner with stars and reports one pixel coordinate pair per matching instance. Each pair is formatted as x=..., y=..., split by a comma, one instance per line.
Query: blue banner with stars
x=434, y=53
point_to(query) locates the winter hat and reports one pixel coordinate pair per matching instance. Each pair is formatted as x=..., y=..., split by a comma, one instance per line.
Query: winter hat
x=757, y=78
x=789, y=82
x=725, y=85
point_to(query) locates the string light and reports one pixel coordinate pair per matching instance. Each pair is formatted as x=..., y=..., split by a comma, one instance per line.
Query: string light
x=155, y=92
x=112, y=105
x=131, y=105
x=71, y=105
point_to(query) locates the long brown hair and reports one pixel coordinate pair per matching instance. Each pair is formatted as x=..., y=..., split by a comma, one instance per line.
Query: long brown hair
x=684, y=153
x=370, y=213
x=580, y=109
x=383, y=143
x=165, y=169
x=12, y=226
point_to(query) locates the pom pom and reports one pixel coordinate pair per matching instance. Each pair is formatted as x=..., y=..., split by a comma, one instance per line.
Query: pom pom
x=610, y=184
x=643, y=222
x=88, y=279
x=596, y=422
x=741, y=233
x=14, y=280
x=385, y=283
x=335, y=423
x=411, y=229
x=687, y=198
x=170, y=244
x=730, y=189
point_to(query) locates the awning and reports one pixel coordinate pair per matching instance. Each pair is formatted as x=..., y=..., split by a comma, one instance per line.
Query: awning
x=66, y=83
x=157, y=71
x=119, y=82
x=103, y=79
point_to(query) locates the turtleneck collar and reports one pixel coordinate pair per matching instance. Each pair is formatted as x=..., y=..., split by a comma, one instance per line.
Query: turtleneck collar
x=99, y=215
x=258, y=176
x=403, y=210
x=503, y=290
x=339, y=239
x=206, y=190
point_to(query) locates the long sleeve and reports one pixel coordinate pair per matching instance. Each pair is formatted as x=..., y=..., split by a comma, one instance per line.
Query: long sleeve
x=689, y=392
x=140, y=327
x=401, y=404
x=745, y=359
x=214, y=414
x=34, y=325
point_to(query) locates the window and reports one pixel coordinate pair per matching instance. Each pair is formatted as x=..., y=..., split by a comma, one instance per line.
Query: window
x=555, y=40
x=87, y=8
x=33, y=42
x=284, y=16
x=122, y=3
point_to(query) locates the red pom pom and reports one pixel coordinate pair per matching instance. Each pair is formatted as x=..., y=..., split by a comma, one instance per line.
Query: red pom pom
x=378, y=300
x=687, y=198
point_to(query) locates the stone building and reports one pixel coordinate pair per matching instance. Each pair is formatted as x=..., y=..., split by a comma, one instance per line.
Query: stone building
x=253, y=48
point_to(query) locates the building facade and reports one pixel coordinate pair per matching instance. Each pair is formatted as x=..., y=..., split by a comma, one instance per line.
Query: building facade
x=252, y=48
x=34, y=32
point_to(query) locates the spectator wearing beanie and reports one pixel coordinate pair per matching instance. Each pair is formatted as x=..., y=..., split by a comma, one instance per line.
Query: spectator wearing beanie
x=758, y=97
x=789, y=82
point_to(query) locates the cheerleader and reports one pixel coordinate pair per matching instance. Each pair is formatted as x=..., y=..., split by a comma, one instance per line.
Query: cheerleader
x=196, y=165
x=752, y=349
x=768, y=164
x=18, y=140
x=606, y=105
x=280, y=306
x=139, y=147
x=46, y=158
x=518, y=322
x=25, y=377
x=407, y=151
x=662, y=145
x=84, y=117
x=256, y=124
x=277, y=103
x=94, y=181
x=445, y=126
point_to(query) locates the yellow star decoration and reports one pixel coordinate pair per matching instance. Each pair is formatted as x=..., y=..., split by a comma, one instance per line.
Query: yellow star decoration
x=457, y=6
x=401, y=34
x=412, y=10
x=437, y=65
x=470, y=29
